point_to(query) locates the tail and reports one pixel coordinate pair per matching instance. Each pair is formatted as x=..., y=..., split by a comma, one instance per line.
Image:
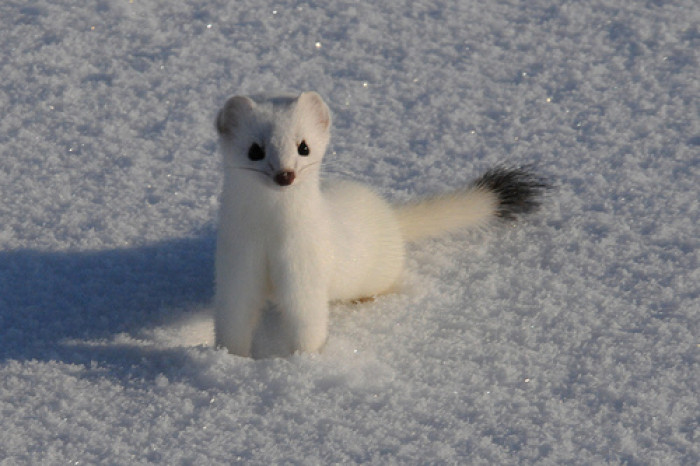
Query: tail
x=500, y=193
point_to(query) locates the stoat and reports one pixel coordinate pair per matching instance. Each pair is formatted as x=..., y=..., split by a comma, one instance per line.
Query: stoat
x=287, y=238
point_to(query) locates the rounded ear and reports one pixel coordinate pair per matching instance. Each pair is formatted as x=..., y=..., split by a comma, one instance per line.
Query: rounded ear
x=230, y=115
x=313, y=104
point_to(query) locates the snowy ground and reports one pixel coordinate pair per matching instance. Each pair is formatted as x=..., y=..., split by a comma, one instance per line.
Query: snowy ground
x=573, y=336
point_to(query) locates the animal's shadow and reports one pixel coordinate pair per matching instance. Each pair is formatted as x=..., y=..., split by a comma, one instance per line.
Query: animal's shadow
x=48, y=298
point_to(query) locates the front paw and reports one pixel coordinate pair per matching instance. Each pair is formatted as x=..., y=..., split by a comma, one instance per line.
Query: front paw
x=308, y=338
x=233, y=336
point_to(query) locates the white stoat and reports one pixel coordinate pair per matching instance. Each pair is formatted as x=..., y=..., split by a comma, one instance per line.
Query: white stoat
x=287, y=238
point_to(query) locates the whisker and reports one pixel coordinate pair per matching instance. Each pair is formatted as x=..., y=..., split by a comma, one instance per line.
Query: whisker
x=336, y=168
x=313, y=164
x=251, y=169
x=325, y=167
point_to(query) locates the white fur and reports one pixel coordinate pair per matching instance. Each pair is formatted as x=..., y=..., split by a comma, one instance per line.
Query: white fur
x=303, y=245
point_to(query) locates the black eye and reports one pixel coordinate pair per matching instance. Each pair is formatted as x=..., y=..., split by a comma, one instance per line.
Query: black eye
x=303, y=149
x=256, y=152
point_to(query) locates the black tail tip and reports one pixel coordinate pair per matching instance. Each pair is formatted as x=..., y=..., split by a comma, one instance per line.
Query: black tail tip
x=519, y=190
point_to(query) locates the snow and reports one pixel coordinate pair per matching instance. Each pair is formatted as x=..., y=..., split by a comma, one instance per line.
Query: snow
x=572, y=336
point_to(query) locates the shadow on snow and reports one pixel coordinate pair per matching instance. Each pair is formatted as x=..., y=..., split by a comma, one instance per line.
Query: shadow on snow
x=47, y=298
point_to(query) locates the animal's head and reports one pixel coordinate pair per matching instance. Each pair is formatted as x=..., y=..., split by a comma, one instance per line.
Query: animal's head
x=283, y=139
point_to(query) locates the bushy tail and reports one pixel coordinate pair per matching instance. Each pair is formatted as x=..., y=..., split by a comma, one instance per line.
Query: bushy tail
x=500, y=192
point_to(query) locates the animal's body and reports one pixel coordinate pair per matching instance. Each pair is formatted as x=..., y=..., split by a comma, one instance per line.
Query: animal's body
x=287, y=238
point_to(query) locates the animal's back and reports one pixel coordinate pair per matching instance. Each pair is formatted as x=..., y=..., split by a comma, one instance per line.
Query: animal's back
x=368, y=251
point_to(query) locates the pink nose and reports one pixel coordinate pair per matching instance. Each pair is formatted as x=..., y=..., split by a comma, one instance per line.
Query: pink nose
x=285, y=178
